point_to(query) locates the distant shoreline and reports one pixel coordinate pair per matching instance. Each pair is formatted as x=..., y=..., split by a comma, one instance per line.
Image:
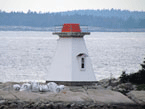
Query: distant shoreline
x=52, y=29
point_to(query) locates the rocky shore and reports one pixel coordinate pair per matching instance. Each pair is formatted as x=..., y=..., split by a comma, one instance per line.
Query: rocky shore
x=104, y=95
x=116, y=85
x=18, y=104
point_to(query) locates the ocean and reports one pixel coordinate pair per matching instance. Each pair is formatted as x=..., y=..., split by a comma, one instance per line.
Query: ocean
x=27, y=55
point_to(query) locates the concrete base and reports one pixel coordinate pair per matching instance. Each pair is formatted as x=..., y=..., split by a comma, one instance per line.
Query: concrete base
x=75, y=83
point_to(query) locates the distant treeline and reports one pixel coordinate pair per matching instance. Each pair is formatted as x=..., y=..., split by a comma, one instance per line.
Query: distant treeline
x=99, y=18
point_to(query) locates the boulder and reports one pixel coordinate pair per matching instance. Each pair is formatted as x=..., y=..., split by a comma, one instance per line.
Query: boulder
x=16, y=87
x=100, y=87
x=69, y=96
x=25, y=87
x=59, y=88
x=104, y=82
x=109, y=87
x=35, y=87
x=7, y=95
x=123, y=87
x=114, y=82
x=43, y=88
x=108, y=96
x=137, y=96
x=2, y=102
x=52, y=86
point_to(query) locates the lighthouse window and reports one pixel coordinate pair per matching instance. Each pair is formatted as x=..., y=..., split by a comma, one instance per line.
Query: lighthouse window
x=83, y=63
x=82, y=59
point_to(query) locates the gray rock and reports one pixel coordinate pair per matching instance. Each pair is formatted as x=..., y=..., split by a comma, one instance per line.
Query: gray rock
x=42, y=105
x=115, y=88
x=1, y=86
x=121, y=89
x=134, y=87
x=12, y=105
x=137, y=96
x=72, y=105
x=85, y=107
x=114, y=83
x=60, y=105
x=35, y=104
x=55, y=106
x=85, y=88
x=109, y=82
x=16, y=87
x=108, y=96
x=48, y=105
x=128, y=86
x=2, y=102
x=28, y=105
x=92, y=106
x=109, y=87
x=20, y=101
x=68, y=105
x=9, y=102
x=80, y=106
x=103, y=81
x=1, y=98
x=2, y=106
x=100, y=87
x=76, y=89
x=105, y=85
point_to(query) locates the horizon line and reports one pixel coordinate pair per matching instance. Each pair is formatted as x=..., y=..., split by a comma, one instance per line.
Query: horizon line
x=29, y=10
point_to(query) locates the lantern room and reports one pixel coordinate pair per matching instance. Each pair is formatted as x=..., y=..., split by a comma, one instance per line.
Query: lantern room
x=71, y=28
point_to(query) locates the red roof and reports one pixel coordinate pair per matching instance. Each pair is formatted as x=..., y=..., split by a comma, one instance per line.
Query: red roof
x=71, y=27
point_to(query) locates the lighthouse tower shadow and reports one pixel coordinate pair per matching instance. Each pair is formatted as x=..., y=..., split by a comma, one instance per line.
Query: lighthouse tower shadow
x=71, y=64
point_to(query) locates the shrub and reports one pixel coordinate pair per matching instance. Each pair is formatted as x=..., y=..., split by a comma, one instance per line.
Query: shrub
x=135, y=78
x=123, y=77
x=141, y=87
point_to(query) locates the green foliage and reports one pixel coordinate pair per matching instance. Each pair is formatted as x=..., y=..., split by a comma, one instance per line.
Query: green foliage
x=99, y=18
x=135, y=78
x=124, y=77
x=141, y=87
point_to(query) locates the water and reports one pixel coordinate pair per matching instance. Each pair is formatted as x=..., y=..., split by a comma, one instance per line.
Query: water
x=27, y=55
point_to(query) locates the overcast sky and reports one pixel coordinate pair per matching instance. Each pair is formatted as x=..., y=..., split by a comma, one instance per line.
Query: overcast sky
x=67, y=5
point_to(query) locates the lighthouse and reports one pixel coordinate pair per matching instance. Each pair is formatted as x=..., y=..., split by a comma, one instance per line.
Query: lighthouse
x=71, y=61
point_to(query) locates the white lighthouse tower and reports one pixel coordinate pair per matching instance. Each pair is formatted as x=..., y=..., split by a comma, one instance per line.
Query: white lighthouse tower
x=71, y=61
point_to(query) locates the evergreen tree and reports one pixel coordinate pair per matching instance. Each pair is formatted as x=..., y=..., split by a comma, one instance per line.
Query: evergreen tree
x=143, y=66
x=123, y=77
x=136, y=78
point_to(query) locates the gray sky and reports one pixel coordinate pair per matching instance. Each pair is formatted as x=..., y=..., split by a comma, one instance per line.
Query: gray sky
x=67, y=5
